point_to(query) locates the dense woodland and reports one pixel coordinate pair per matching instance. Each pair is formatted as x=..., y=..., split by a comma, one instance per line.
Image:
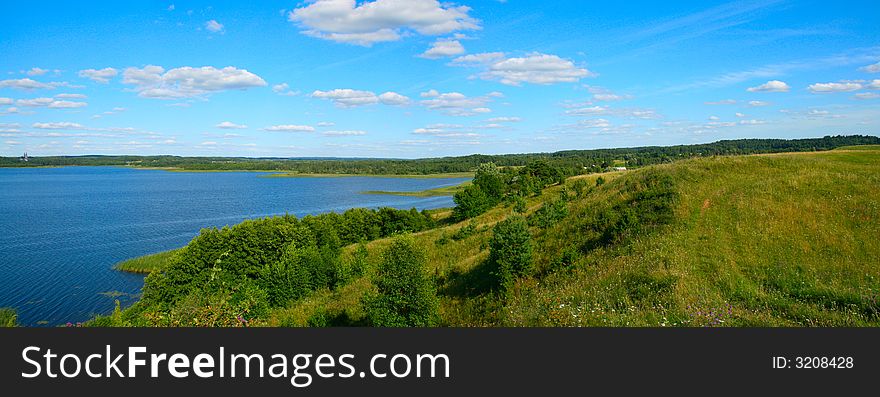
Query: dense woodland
x=570, y=162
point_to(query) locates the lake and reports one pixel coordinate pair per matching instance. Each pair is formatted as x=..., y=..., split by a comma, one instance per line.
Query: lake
x=63, y=229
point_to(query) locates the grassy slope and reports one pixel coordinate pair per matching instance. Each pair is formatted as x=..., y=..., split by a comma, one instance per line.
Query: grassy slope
x=282, y=174
x=770, y=240
x=147, y=263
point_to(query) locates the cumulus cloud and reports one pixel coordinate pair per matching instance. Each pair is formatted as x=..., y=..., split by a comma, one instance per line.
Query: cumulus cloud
x=228, y=125
x=875, y=68
x=867, y=95
x=722, y=102
x=443, y=48
x=504, y=120
x=347, y=98
x=770, y=86
x=605, y=95
x=290, y=128
x=344, y=133
x=71, y=96
x=456, y=103
x=393, y=98
x=37, y=72
x=6, y=101
x=446, y=131
x=370, y=22
x=50, y=103
x=185, y=82
x=534, y=68
x=64, y=125
x=283, y=89
x=758, y=103
x=326, y=124
x=26, y=84
x=102, y=76
x=214, y=26
x=834, y=87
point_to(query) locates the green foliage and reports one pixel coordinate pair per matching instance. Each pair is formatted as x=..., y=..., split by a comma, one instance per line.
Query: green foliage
x=406, y=297
x=470, y=202
x=8, y=317
x=519, y=205
x=549, y=214
x=600, y=181
x=510, y=251
x=465, y=231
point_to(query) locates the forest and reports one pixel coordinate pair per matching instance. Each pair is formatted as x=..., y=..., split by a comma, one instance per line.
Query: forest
x=570, y=162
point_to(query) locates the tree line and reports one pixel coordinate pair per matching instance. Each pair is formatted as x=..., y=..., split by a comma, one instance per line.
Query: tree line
x=570, y=162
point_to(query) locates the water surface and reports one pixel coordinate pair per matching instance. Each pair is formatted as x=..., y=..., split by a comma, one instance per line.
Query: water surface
x=62, y=229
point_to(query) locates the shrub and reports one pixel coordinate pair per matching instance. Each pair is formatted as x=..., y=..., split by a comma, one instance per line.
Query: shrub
x=510, y=251
x=470, y=202
x=7, y=317
x=406, y=297
x=549, y=214
x=519, y=205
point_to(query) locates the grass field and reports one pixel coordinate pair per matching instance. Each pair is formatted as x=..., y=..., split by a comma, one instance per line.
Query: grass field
x=441, y=191
x=147, y=263
x=781, y=240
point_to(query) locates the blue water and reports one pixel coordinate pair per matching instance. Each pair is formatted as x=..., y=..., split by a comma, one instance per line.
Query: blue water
x=63, y=229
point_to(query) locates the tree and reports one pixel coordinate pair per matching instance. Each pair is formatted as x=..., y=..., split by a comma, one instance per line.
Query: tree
x=470, y=202
x=406, y=296
x=510, y=251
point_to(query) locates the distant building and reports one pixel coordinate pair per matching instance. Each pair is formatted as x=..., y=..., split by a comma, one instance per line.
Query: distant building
x=24, y=157
x=620, y=168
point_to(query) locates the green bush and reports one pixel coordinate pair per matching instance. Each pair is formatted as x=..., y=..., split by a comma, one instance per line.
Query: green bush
x=406, y=296
x=510, y=251
x=549, y=214
x=7, y=317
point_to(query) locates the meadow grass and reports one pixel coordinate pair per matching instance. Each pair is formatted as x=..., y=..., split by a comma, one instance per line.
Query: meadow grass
x=781, y=240
x=7, y=317
x=147, y=263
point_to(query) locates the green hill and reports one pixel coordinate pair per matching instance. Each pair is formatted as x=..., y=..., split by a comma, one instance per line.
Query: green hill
x=761, y=240
x=765, y=240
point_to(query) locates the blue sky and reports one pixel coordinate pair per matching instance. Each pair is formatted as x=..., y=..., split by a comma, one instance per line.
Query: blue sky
x=421, y=78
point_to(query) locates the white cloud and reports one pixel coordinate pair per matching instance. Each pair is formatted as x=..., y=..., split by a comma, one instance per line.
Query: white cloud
x=228, y=125
x=740, y=115
x=722, y=102
x=67, y=105
x=588, y=111
x=456, y=103
x=326, y=124
x=605, y=95
x=59, y=126
x=284, y=89
x=393, y=98
x=867, y=95
x=504, y=120
x=5, y=101
x=752, y=122
x=214, y=26
x=376, y=21
x=50, y=103
x=71, y=96
x=834, y=87
x=102, y=76
x=534, y=68
x=443, y=48
x=875, y=68
x=770, y=86
x=171, y=7
x=186, y=82
x=758, y=103
x=37, y=72
x=344, y=133
x=25, y=84
x=290, y=128
x=874, y=85
x=347, y=98
x=484, y=59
